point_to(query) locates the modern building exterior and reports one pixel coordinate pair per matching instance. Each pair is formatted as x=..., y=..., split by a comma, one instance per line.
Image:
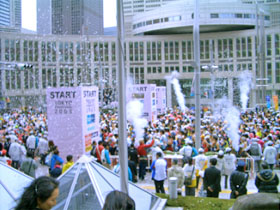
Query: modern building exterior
x=68, y=60
x=44, y=17
x=77, y=17
x=10, y=13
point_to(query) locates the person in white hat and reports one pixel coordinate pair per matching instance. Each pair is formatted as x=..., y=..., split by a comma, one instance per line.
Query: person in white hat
x=201, y=162
x=270, y=154
x=186, y=150
x=155, y=149
x=229, y=164
x=220, y=161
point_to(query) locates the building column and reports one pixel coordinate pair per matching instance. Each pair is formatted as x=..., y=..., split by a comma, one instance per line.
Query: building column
x=168, y=94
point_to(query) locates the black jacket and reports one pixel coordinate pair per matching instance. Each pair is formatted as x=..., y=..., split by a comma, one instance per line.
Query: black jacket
x=212, y=178
x=267, y=181
x=238, y=182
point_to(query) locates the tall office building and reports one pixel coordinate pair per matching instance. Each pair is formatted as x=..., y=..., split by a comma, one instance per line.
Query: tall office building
x=84, y=17
x=10, y=13
x=44, y=17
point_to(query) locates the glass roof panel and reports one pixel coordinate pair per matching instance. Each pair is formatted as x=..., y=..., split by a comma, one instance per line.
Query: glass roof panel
x=15, y=181
x=65, y=182
x=7, y=202
x=84, y=195
x=106, y=179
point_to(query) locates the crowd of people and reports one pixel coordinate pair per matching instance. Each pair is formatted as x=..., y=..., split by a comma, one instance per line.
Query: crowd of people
x=24, y=141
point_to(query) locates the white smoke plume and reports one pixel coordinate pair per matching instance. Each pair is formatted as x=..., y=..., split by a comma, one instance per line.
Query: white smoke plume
x=231, y=115
x=245, y=86
x=134, y=115
x=177, y=88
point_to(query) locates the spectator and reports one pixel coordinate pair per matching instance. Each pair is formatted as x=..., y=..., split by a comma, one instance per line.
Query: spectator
x=255, y=150
x=55, y=157
x=212, y=179
x=57, y=170
x=143, y=160
x=68, y=164
x=270, y=154
x=29, y=165
x=229, y=164
x=117, y=200
x=158, y=168
x=238, y=181
x=15, y=152
x=178, y=172
x=201, y=162
x=267, y=180
x=190, y=173
x=40, y=194
x=133, y=168
x=105, y=156
x=99, y=149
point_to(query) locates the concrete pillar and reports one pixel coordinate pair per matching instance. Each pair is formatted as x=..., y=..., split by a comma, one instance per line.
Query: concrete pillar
x=168, y=94
x=173, y=187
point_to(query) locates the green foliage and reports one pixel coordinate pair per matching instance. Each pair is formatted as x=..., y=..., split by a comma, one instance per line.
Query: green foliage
x=197, y=203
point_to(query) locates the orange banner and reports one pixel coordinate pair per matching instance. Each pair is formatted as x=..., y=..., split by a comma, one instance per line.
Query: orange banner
x=275, y=101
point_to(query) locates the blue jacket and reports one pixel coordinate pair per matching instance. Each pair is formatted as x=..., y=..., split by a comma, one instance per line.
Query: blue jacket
x=54, y=159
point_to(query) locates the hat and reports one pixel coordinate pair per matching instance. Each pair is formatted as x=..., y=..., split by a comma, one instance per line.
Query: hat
x=228, y=149
x=201, y=150
x=221, y=152
x=240, y=163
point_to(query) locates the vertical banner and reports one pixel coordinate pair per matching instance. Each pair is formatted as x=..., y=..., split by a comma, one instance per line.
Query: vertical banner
x=146, y=94
x=73, y=118
x=268, y=104
x=90, y=116
x=161, y=99
x=275, y=102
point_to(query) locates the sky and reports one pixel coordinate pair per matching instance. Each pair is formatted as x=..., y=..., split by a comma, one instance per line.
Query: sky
x=29, y=14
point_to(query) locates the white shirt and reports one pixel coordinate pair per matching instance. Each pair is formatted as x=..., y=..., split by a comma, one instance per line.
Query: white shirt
x=188, y=171
x=200, y=161
x=186, y=151
x=270, y=154
x=43, y=146
x=15, y=151
x=31, y=142
x=160, y=169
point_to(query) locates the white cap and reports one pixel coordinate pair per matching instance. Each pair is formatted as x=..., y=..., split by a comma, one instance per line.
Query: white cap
x=221, y=152
x=200, y=150
x=228, y=149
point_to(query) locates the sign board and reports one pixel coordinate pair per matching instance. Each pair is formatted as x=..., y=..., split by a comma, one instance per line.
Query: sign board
x=146, y=94
x=161, y=99
x=73, y=119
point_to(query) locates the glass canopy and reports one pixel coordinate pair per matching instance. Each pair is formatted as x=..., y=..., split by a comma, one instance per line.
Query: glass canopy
x=12, y=184
x=86, y=184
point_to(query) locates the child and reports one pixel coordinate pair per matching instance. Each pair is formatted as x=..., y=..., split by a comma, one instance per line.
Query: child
x=57, y=170
x=69, y=163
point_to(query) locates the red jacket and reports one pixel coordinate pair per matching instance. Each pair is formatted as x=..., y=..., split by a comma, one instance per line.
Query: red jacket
x=98, y=152
x=141, y=149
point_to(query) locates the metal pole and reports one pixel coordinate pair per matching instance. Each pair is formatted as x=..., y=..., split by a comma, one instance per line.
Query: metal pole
x=100, y=76
x=197, y=73
x=212, y=75
x=262, y=52
x=122, y=100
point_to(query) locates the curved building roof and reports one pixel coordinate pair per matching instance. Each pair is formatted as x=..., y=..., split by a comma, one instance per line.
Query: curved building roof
x=215, y=15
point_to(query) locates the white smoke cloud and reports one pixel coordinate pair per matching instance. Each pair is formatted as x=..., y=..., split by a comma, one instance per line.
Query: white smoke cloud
x=177, y=88
x=245, y=86
x=231, y=115
x=134, y=116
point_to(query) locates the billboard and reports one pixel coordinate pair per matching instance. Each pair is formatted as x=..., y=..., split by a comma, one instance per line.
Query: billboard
x=73, y=119
x=146, y=94
x=161, y=99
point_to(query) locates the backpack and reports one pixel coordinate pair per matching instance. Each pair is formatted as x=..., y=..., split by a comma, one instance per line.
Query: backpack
x=93, y=152
x=254, y=150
